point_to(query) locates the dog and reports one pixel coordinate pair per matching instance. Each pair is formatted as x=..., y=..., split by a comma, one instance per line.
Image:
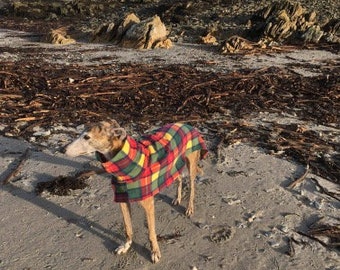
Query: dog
x=141, y=168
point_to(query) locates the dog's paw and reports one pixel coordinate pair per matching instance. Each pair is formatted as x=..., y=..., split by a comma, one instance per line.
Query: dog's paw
x=123, y=248
x=176, y=201
x=155, y=256
x=189, y=211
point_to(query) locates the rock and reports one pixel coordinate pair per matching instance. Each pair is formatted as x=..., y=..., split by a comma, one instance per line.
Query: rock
x=124, y=26
x=333, y=27
x=209, y=39
x=130, y=32
x=59, y=36
x=114, y=32
x=280, y=20
x=145, y=35
x=235, y=44
x=313, y=34
x=165, y=44
x=286, y=22
x=332, y=31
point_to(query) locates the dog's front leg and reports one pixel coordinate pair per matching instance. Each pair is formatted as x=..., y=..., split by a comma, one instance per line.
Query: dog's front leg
x=192, y=160
x=149, y=208
x=126, y=211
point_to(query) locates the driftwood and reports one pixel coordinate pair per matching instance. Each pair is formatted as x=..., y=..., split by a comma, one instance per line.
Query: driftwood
x=331, y=232
x=21, y=162
x=325, y=191
x=300, y=179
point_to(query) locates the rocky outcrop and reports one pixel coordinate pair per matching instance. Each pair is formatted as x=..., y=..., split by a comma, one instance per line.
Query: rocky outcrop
x=284, y=22
x=130, y=32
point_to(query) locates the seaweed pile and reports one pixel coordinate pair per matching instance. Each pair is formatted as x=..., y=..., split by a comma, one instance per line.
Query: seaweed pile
x=42, y=95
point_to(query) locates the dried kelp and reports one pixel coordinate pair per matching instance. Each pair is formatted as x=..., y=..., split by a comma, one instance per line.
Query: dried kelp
x=61, y=185
x=40, y=94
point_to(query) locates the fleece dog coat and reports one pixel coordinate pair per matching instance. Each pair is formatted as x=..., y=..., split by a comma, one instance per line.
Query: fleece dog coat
x=144, y=167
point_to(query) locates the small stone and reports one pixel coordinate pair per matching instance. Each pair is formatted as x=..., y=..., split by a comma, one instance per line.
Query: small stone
x=284, y=228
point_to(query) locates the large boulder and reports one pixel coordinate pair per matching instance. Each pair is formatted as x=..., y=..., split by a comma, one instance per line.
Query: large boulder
x=130, y=32
x=114, y=33
x=147, y=34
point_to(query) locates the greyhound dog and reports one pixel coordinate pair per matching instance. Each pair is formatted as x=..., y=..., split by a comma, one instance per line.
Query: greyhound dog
x=141, y=168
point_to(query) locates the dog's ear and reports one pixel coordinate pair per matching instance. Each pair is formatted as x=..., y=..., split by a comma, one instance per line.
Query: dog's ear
x=113, y=123
x=120, y=133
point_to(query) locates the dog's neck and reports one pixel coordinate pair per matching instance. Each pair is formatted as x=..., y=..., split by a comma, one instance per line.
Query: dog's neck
x=117, y=146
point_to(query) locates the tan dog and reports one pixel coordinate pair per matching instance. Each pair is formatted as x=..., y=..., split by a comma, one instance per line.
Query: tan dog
x=156, y=158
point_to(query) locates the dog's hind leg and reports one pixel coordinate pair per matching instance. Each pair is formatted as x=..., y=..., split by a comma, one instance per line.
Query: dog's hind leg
x=178, y=198
x=149, y=208
x=126, y=211
x=192, y=160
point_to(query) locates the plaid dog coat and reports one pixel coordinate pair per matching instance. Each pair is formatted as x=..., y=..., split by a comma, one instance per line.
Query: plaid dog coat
x=142, y=168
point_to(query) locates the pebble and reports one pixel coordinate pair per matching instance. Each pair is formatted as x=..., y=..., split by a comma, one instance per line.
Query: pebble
x=284, y=228
x=231, y=201
x=274, y=243
x=38, y=131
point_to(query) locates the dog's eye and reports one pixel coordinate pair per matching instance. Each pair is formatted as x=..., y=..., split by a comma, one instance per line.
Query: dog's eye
x=86, y=137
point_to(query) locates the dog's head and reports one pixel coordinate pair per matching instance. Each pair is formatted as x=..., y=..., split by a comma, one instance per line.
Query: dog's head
x=105, y=137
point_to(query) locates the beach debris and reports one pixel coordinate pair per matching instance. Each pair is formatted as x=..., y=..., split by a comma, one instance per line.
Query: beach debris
x=209, y=39
x=325, y=234
x=300, y=179
x=231, y=200
x=233, y=96
x=326, y=187
x=169, y=238
x=255, y=215
x=221, y=233
x=59, y=36
x=236, y=44
x=21, y=161
x=61, y=185
x=131, y=32
x=329, y=232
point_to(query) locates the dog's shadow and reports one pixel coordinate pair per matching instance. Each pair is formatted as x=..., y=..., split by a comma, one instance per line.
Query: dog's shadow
x=82, y=222
x=168, y=200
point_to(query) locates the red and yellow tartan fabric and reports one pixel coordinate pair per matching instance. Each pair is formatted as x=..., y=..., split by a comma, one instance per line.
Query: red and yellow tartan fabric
x=144, y=167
